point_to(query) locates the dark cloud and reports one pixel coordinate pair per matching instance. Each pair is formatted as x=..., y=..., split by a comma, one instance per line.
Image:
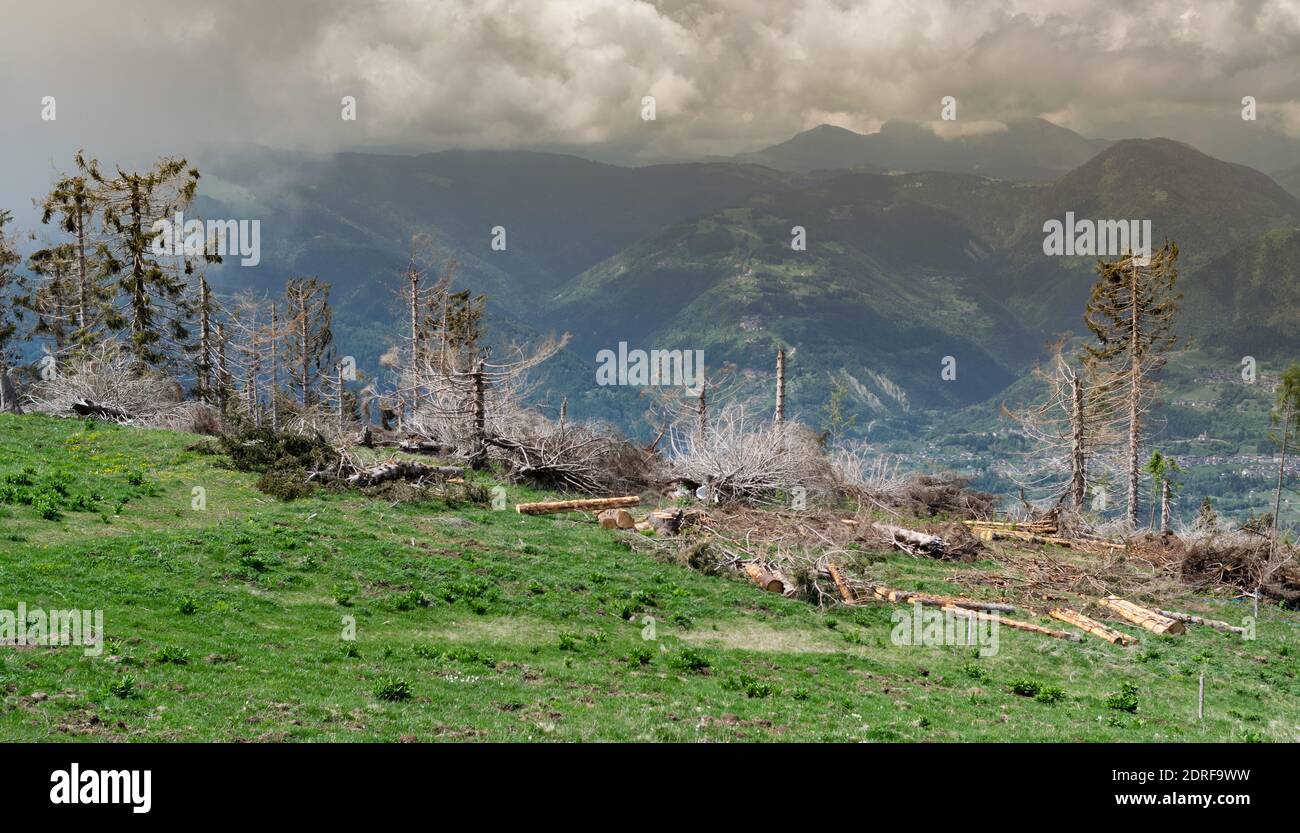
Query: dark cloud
x=140, y=77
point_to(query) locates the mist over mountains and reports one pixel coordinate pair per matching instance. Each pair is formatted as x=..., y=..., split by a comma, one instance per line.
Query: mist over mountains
x=917, y=249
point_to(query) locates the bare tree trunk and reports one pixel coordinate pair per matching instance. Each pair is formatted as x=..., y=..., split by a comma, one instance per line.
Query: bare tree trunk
x=702, y=411
x=780, y=386
x=250, y=386
x=1281, y=474
x=1165, y=512
x=83, y=279
x=1078, y=460
x=8, y=392
x=304, y=350
x=275, y=373
x=339, y=411
x=415, y=314
x=478, y=459
x=223, y=373
x=205, y=341
x=1134, y=397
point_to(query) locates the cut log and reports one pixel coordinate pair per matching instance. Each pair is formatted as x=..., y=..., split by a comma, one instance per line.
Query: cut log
x=1091, y=626
x=1200, y=620
x=401, y=470
x=846, y=593
x=616, y=519
x=764, y=579
x=1015, y=624
x=84, y=407
x=909, y=540
x=585, y=505
x=1048, y=527
x=1142, y=617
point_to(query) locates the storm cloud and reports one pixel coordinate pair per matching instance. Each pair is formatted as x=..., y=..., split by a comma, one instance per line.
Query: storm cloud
x=137, y=78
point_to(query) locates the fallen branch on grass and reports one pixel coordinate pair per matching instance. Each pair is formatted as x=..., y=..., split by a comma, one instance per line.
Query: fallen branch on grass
x=1200, y=620
x=1015, y=624
x=893, y=595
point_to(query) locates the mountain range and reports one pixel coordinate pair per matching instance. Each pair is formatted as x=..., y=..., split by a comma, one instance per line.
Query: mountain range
x=918, y=250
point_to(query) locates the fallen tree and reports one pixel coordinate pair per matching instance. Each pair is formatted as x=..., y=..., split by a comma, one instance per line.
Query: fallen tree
x=911, y=541
x=400, y=470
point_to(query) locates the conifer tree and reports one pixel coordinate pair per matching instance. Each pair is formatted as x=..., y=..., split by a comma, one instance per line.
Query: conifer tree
x=1131, y=314
x=154, y=307
x=309, y=336
x=76, y=201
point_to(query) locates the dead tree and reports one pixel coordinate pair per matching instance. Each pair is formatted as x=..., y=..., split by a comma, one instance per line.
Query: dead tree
x=310, y=336
x=1131, y=313
x=780, y=386
x=1066, y=429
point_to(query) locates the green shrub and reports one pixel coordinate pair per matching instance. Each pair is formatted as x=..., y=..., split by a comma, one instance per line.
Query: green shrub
x=392, y=689
x=1126, y=700
x=1025, y=688
x=123, y=687
x=1050, y=694
x=688, y=659
x=171, y=655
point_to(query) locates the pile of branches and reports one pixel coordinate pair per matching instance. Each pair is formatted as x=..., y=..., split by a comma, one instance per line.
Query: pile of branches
x=577, y=458
x=109, y=384
x=1241, y=560
x=927, y=495
x=740, y=461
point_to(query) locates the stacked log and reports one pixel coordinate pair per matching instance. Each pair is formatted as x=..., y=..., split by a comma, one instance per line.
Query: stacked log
x=1091, y=626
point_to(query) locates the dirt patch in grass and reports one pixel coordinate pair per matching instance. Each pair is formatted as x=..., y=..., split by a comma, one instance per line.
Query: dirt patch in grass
x=753, y=636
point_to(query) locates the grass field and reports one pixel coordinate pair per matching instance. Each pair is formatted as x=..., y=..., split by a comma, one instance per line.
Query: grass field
x=226, y=620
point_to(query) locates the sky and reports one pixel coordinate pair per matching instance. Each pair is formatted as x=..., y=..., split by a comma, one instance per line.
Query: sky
x=133, y=79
